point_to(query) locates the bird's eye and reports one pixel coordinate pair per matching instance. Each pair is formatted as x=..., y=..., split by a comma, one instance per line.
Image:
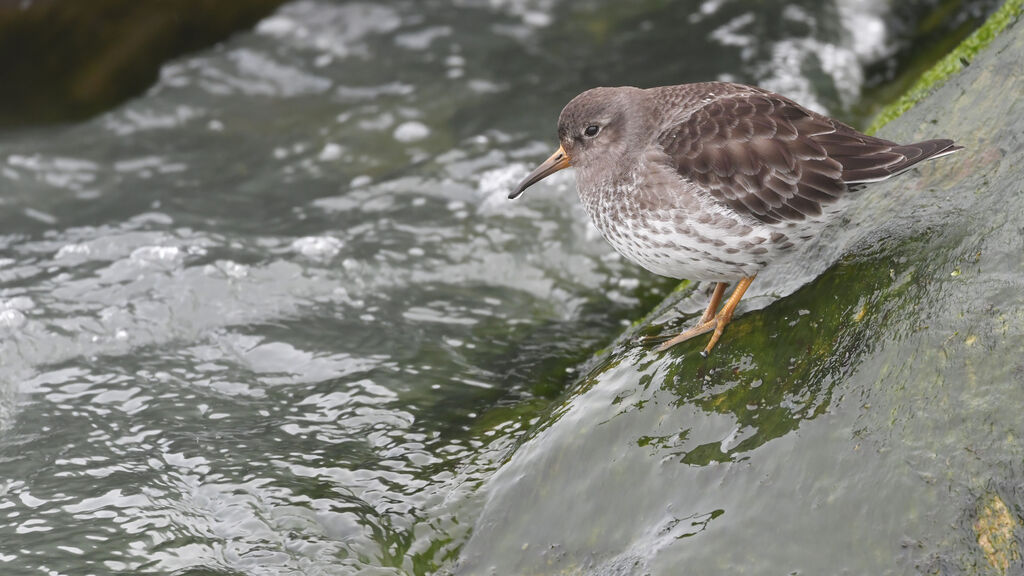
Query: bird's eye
x=591, y=131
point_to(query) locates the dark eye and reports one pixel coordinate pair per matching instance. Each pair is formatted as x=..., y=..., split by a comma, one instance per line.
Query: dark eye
x=591, y=131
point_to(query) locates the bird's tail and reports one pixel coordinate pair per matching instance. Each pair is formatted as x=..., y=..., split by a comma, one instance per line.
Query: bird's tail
x=896, y=159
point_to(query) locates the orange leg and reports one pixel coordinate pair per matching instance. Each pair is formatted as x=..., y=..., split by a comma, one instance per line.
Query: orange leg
x=716, y=299
x=709, y=313
x=716, y=322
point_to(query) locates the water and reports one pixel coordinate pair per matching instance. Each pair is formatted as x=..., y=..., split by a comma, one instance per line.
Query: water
x=276, y=316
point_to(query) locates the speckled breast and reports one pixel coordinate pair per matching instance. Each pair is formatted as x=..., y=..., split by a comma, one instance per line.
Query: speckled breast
x=680, y=233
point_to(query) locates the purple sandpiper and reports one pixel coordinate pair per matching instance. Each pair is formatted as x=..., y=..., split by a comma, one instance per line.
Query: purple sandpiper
x=713, y=181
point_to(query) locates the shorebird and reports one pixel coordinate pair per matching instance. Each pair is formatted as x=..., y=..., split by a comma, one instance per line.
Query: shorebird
x=714, y=181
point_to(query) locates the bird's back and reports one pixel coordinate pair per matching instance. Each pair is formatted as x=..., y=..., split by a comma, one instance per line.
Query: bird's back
x=734, y=176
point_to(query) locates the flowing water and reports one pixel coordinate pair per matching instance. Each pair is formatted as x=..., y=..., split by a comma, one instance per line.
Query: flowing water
x=276, y=315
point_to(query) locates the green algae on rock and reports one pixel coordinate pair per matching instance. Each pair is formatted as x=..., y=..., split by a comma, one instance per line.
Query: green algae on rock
x=994, y=528
x=842, y=428
x=951, y=63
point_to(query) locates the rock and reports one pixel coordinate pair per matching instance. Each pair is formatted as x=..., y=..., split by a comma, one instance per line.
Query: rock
x=852, y=413
x=994, y=528
x=63, y=59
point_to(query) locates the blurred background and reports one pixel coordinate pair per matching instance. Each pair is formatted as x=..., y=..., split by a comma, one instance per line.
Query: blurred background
x=264, y=307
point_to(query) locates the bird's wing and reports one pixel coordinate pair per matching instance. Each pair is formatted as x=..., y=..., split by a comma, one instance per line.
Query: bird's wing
x=770, y=159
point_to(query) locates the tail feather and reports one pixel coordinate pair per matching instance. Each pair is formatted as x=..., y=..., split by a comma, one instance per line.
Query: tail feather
x=893, y=160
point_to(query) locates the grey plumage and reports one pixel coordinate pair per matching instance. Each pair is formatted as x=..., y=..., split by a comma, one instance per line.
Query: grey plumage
x=753, y=161
x=714, y=181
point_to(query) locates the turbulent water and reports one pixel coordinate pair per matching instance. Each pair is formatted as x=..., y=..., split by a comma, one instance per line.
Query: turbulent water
x=276, y=315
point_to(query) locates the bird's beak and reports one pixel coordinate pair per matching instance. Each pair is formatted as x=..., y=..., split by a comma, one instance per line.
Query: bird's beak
x=556, y=162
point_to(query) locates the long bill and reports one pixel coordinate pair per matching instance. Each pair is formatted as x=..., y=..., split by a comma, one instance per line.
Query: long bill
x=557, y=161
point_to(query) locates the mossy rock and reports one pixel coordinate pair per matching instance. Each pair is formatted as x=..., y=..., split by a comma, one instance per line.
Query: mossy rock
x=857, y=415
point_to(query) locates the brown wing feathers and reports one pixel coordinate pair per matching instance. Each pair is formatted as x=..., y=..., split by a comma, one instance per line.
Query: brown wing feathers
x=889, y=160
x=769, y=158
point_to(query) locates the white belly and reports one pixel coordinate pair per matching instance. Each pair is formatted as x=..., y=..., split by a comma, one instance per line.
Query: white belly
x=701, y=242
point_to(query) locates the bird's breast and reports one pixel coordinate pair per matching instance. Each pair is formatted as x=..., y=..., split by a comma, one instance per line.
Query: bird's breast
x=671, y=227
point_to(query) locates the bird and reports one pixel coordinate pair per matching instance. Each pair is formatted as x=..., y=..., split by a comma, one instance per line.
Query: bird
x=713, y=181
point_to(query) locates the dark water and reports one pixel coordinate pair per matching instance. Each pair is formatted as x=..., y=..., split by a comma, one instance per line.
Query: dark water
x=276, y=316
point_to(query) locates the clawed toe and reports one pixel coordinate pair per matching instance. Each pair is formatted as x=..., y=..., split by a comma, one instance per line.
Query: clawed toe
x=702, y=328
x=711, y=320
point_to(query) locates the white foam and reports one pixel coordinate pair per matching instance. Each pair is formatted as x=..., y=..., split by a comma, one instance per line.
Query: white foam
x=155, y=254
x=536, y=19
x=11, y=315
x=11, y=318
x=422, y=39
x=360, y=181
x=227, y=268
x=411, y=131
x=736, y=32
x=330, y=152
x=277, y=26
x=317, y=247
x=44, y=217
x=19, y=303
x=496, y=184
x=69, y=250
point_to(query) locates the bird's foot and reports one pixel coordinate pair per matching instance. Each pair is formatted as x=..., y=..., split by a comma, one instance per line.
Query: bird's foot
x=711, y=320
x=701, y=328
x=716, y=324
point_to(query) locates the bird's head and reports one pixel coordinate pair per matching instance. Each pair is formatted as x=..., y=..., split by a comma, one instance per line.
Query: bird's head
x=595, y=130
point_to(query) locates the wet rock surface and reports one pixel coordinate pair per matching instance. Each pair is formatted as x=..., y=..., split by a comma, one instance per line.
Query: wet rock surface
x=859, y=424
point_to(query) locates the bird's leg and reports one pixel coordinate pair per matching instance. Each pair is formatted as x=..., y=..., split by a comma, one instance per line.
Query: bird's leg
x=725, y=314
x=716, y=299
x=716, y=322
x=709, y=313
x=706, y=322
